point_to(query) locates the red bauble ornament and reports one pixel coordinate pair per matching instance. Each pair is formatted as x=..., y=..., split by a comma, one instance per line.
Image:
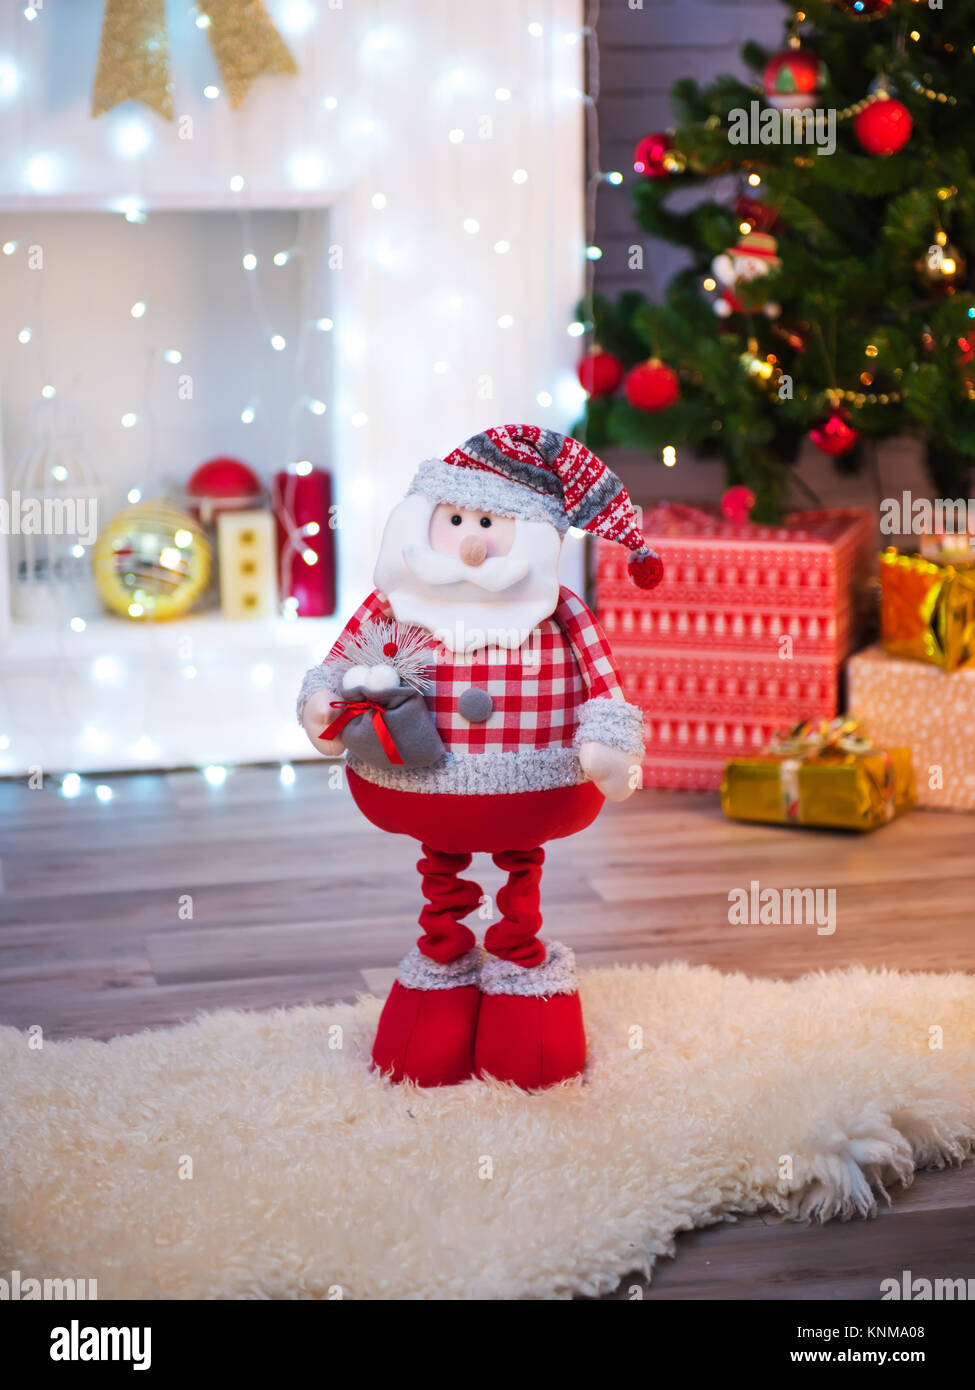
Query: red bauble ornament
x=759, y=216
x=794, y=78
x=224, y=477
x=599, y=373
x=223, y=484
x=835, y=435
x=737, y=503
x=883, y=127
x=652, y=386
x=649, y=155
x=966, y=350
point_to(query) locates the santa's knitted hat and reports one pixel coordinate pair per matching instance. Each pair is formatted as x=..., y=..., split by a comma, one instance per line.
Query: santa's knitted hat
x=536, y=474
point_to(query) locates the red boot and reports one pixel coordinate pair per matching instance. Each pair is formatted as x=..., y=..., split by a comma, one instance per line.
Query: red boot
x=529, y=1030
x=427, y=1027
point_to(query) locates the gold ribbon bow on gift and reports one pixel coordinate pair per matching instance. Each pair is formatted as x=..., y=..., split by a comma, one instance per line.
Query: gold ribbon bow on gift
x=810, y=741
x=133, y=59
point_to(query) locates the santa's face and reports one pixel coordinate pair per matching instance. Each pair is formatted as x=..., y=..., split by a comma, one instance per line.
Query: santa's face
x=750, y=268
x=471, y=578
x=474, y=536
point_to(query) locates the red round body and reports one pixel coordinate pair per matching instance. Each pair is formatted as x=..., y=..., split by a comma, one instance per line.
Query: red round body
x=648, y=157
x=884, y=127
x=487, y=824
x=599, y=373
x=652, y=386
x=835, y=435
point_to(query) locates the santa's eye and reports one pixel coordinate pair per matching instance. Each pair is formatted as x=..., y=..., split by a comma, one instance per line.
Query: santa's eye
x=456, y=520
x=485, y=522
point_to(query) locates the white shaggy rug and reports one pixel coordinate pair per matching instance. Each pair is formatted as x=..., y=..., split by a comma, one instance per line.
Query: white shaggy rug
x=313, y=1178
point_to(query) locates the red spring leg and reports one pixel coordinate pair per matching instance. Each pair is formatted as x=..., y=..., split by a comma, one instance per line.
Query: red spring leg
x=515, y=937
x=449, y=898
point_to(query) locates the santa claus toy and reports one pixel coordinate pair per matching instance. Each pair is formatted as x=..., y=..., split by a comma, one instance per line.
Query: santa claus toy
x=755, y=256
x=481, y=712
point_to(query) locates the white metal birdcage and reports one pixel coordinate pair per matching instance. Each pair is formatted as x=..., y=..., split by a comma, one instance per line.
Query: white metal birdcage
x=54, y=504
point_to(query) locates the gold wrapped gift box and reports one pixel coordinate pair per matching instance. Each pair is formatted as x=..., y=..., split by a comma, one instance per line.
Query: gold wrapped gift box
x=827, y=775
x=927, y=609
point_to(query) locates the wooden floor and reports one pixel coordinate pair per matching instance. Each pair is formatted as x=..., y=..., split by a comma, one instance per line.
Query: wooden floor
x=296, y=899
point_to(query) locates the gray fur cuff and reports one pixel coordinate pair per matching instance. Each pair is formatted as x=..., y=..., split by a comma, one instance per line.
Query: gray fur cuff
x=481, y=774
x=555, y=975
x=612, y=722
x=484, y=491
x=318, y=678
x=417, y=971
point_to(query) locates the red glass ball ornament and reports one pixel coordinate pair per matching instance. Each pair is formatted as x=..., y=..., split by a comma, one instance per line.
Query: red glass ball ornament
x=652, y=386
x=599, y=373
x=966, y=350
x=224, y=477
x=648, y=157
x=883, y=127
x=222, y=484
x=737, y=503
x=759, y=216
x=835, y=435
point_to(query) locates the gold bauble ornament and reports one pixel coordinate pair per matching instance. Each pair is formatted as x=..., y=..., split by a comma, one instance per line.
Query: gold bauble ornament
x=151, y=562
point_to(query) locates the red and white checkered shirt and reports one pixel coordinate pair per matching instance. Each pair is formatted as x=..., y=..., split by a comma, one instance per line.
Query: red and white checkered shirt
x=536, y=691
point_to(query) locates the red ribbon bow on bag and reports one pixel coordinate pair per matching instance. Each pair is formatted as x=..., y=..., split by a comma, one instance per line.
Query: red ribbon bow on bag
x=350, y=708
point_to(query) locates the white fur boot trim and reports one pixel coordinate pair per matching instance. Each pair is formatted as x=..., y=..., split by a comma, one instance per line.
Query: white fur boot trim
x=555, y=975
x=417, y=971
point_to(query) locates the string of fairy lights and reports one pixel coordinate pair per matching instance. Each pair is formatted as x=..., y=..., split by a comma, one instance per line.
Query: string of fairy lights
x=132, y=136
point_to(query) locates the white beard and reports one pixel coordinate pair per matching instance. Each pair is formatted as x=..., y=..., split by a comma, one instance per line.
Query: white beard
x=466, y=607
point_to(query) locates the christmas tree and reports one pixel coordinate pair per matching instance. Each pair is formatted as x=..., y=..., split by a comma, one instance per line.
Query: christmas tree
x=829, y=293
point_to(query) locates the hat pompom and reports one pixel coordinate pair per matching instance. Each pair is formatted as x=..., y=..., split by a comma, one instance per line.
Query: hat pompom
x=646, y=569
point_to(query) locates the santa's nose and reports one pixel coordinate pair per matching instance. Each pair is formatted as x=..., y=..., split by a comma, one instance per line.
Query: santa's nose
x=472, y=550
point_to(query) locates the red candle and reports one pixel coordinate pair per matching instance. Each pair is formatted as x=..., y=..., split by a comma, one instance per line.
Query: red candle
x=302, y=505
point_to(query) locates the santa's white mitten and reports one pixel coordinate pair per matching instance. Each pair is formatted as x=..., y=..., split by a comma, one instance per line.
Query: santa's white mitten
x=615, y=773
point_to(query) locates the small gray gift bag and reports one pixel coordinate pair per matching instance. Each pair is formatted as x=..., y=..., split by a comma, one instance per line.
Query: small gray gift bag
x=387, y=728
